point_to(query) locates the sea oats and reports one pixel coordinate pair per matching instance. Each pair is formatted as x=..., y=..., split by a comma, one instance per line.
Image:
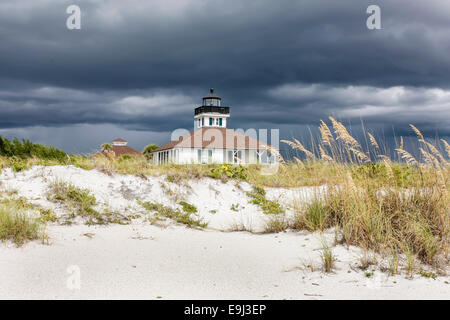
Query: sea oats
x=373, y=141
x=300, y=162
x=430, y=159
x=327, y=136
x=435, y=152
x=405, y=155
x=324, y=155
x=350, y=181
x=417, y=131
x=361, y=155
x=447, y=147
x=387, y=163
x=342, y=134
x=298, y=145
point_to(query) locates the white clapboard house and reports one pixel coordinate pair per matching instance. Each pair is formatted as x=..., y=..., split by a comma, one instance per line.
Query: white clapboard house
x=212, y=142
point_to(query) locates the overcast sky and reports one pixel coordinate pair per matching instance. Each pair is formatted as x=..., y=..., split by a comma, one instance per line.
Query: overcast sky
x=137, y=69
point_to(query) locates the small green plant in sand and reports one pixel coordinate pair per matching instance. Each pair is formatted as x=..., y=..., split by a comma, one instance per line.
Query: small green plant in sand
x=327, y=257
x=189, y=218
x=234, y=207
x=258, y=196
x=47, y=215
x=187, y=207
x=369, y=274
x=428, y=274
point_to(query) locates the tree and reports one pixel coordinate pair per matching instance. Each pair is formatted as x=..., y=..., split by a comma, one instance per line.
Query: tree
x=106, y=147
x=148, y=151
x=107, y=150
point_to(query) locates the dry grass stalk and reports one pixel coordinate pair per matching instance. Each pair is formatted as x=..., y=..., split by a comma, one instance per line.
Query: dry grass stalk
x=405, y=155
x=298, y=145
x=324, y=155
x=360, y=155
x=435, y=152
x=327, y=136
x=373, y=141
x=447, y=147
x=418, y=133
x=342, y=134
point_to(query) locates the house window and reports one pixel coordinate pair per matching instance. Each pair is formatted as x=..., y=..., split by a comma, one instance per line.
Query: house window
x=237, y=156
x=199, y=155
x=210, y=121
x=220, y=121
x=199, y=123
x=210, y=156
x=230, y=157
x=203, y=122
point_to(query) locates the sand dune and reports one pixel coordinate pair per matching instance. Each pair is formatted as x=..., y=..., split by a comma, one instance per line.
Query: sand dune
x=145, y=261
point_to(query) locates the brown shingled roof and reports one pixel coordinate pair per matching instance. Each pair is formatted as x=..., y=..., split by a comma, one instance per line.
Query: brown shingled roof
x=215, y=138
x=119, y=140
x=120, y=150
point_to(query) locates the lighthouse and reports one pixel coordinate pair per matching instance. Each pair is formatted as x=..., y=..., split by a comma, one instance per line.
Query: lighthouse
x=211, y=113
x=212, y=142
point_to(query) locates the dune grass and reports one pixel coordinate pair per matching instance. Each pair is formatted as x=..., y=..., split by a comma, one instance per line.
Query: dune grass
x=398, y=206
x=390, y=207
x=327, y=257
x=80, y=202
x=17, y=224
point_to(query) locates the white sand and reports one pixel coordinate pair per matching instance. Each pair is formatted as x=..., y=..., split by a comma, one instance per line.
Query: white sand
x=143, y=261
x=121, y=192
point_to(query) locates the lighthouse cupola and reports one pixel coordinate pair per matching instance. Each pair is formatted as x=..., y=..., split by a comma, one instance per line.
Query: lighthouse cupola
x=211, y=113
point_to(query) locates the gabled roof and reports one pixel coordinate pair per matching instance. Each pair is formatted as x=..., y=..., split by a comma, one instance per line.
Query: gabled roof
x=215, y=138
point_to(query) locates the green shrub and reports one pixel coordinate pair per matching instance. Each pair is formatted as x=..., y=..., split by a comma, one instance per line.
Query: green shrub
x=229, y=171
x=18, y=166
x=188, y=218
x=26, y=149
x=124, y=157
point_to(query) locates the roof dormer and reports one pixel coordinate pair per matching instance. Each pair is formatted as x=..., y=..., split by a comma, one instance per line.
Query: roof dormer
x=119, y=142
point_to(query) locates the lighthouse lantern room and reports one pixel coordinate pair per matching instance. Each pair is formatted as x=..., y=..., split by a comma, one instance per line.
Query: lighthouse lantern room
x=211, y=113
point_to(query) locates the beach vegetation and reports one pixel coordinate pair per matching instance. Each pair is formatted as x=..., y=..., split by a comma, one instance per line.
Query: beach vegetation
x=189, y=218
x=19, y=224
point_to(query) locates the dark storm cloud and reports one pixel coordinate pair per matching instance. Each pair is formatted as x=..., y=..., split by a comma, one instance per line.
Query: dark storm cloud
x=144, y=65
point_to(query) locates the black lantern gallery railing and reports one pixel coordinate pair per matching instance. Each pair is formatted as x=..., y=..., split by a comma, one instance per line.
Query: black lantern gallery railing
x=207, y=109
